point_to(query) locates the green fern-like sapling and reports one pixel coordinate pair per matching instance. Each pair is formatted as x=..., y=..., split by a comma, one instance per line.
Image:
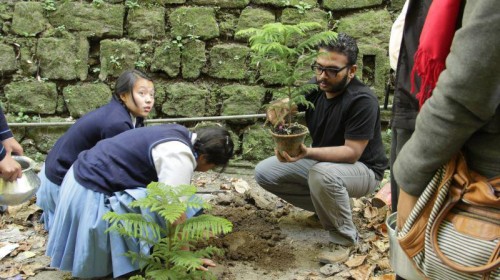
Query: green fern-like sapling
x=173, y=254
x=285, y=51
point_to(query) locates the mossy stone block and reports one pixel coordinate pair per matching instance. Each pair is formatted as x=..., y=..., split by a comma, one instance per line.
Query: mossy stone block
x=26, y=61
x=257, y=143
x=105, y=20
x=167, y=58
x=242, y=100
x=228, y=61
x=83, y=98
x=397, y=5
x=223, y=3
x=196, y=21
x=193, y=59
x=64, y=59
x=253, y=17
x=31, y=97
x=283, y=3
x=338, y=5
x=371, y=27
x=28, y=19
x=295, y=16
x=186, y=100
x=374, y=68
x=45, y=137
x=7, y=58
x=117, y=56
x=227, y=24
x=146, y=23
x=173, y=1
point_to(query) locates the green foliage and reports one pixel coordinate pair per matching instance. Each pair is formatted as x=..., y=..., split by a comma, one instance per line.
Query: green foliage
x=271, y=47
x=140, y=64
x=97, y=3
x=23, y=118
x=49, y=5
x=132, y=4
x=169, y=258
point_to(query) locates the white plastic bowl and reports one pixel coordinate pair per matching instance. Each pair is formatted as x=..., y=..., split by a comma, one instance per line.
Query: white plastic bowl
x=19, y=191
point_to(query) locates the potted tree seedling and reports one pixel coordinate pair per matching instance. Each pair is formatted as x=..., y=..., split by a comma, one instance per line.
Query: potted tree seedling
x=285, y=51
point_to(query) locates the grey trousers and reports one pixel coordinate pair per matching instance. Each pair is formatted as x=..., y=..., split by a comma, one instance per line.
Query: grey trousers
x=321, y=187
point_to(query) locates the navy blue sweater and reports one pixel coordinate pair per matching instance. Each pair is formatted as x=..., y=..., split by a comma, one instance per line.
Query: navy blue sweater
x=125, y=161
x=5, y=133
x=105, y=122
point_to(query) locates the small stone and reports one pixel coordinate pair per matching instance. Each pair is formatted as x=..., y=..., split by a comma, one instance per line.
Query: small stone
x=330, y=269
x=339, y=255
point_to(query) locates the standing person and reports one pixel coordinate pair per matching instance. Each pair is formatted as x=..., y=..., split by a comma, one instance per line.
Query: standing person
x=347, y=156
x=114, y=173
x=10, y=169
x=405, y=105
x=133, y=99
x=463, y=113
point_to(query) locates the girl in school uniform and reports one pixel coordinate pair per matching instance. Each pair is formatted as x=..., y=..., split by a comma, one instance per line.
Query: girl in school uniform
x=133, y=99
x=111, y=175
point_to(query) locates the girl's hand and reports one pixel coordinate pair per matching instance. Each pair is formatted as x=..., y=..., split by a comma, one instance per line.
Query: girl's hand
x=205, y=264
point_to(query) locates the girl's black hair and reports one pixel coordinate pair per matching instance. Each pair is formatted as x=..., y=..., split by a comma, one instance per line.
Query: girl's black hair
x=125, y=83
x=215, y=143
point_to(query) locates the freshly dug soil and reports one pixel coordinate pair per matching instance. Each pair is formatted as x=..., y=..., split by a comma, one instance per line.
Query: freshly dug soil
x=271, y=239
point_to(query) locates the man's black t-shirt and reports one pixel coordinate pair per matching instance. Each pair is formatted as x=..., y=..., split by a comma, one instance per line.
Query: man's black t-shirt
x=353, y=115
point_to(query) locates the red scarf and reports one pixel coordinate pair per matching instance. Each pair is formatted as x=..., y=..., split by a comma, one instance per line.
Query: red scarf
x=434, y=46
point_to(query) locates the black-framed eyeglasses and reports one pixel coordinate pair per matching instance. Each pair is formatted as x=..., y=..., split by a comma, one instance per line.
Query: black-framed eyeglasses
x=330, y=71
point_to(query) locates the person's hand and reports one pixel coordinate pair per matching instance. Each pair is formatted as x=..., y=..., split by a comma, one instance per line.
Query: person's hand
x=205, y=264
x=10, y=169
x=285, y=157
x=406, y=202
x=277, y=112
x=12, y=146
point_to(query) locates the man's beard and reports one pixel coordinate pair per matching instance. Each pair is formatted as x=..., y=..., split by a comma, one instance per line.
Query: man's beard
x=338, y=87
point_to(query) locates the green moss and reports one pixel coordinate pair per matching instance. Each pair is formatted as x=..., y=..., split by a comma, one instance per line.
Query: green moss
x=194, y=21
x=228, y=61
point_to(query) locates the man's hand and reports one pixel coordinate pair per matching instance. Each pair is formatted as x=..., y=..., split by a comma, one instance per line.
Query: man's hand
x=12, y=146
x=285, y=157
x=277, y=112
x=10, y=169
x=406, y=202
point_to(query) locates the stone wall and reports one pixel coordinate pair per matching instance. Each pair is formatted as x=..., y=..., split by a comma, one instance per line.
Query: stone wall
x=59, y=59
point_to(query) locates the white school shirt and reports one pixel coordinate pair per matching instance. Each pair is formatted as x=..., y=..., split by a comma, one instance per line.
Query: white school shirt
x=174, y=162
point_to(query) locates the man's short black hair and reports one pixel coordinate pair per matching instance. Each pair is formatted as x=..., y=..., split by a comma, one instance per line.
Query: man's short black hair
x=345, y=45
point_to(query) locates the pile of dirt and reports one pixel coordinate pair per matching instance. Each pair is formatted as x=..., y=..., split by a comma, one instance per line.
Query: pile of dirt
x=271, y=239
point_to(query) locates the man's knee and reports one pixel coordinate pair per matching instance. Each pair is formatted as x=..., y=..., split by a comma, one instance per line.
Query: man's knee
x=319, y=181
x=262, y=173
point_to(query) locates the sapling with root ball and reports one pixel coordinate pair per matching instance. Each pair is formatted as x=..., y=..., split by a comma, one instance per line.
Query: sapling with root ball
x=173, y=254
x=286, y=51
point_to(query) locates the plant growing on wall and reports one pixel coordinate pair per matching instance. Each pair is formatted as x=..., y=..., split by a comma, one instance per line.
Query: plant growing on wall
x=285, y=51
x=173, y=255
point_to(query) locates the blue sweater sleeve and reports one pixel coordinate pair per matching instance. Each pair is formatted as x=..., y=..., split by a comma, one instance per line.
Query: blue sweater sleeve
x=5, y=133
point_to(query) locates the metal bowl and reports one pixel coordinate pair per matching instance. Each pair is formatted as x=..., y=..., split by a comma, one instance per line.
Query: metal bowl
x=19, y=191
x=400, y=262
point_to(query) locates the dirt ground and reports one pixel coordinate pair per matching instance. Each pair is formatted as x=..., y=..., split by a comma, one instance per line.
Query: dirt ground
x=271, y=239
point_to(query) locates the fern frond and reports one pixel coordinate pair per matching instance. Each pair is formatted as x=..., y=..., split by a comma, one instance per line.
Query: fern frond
x=186, y=259
x=208, y=252
x=247, y=32
x=133, y=225
x=205, y=226
x=313, y=41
